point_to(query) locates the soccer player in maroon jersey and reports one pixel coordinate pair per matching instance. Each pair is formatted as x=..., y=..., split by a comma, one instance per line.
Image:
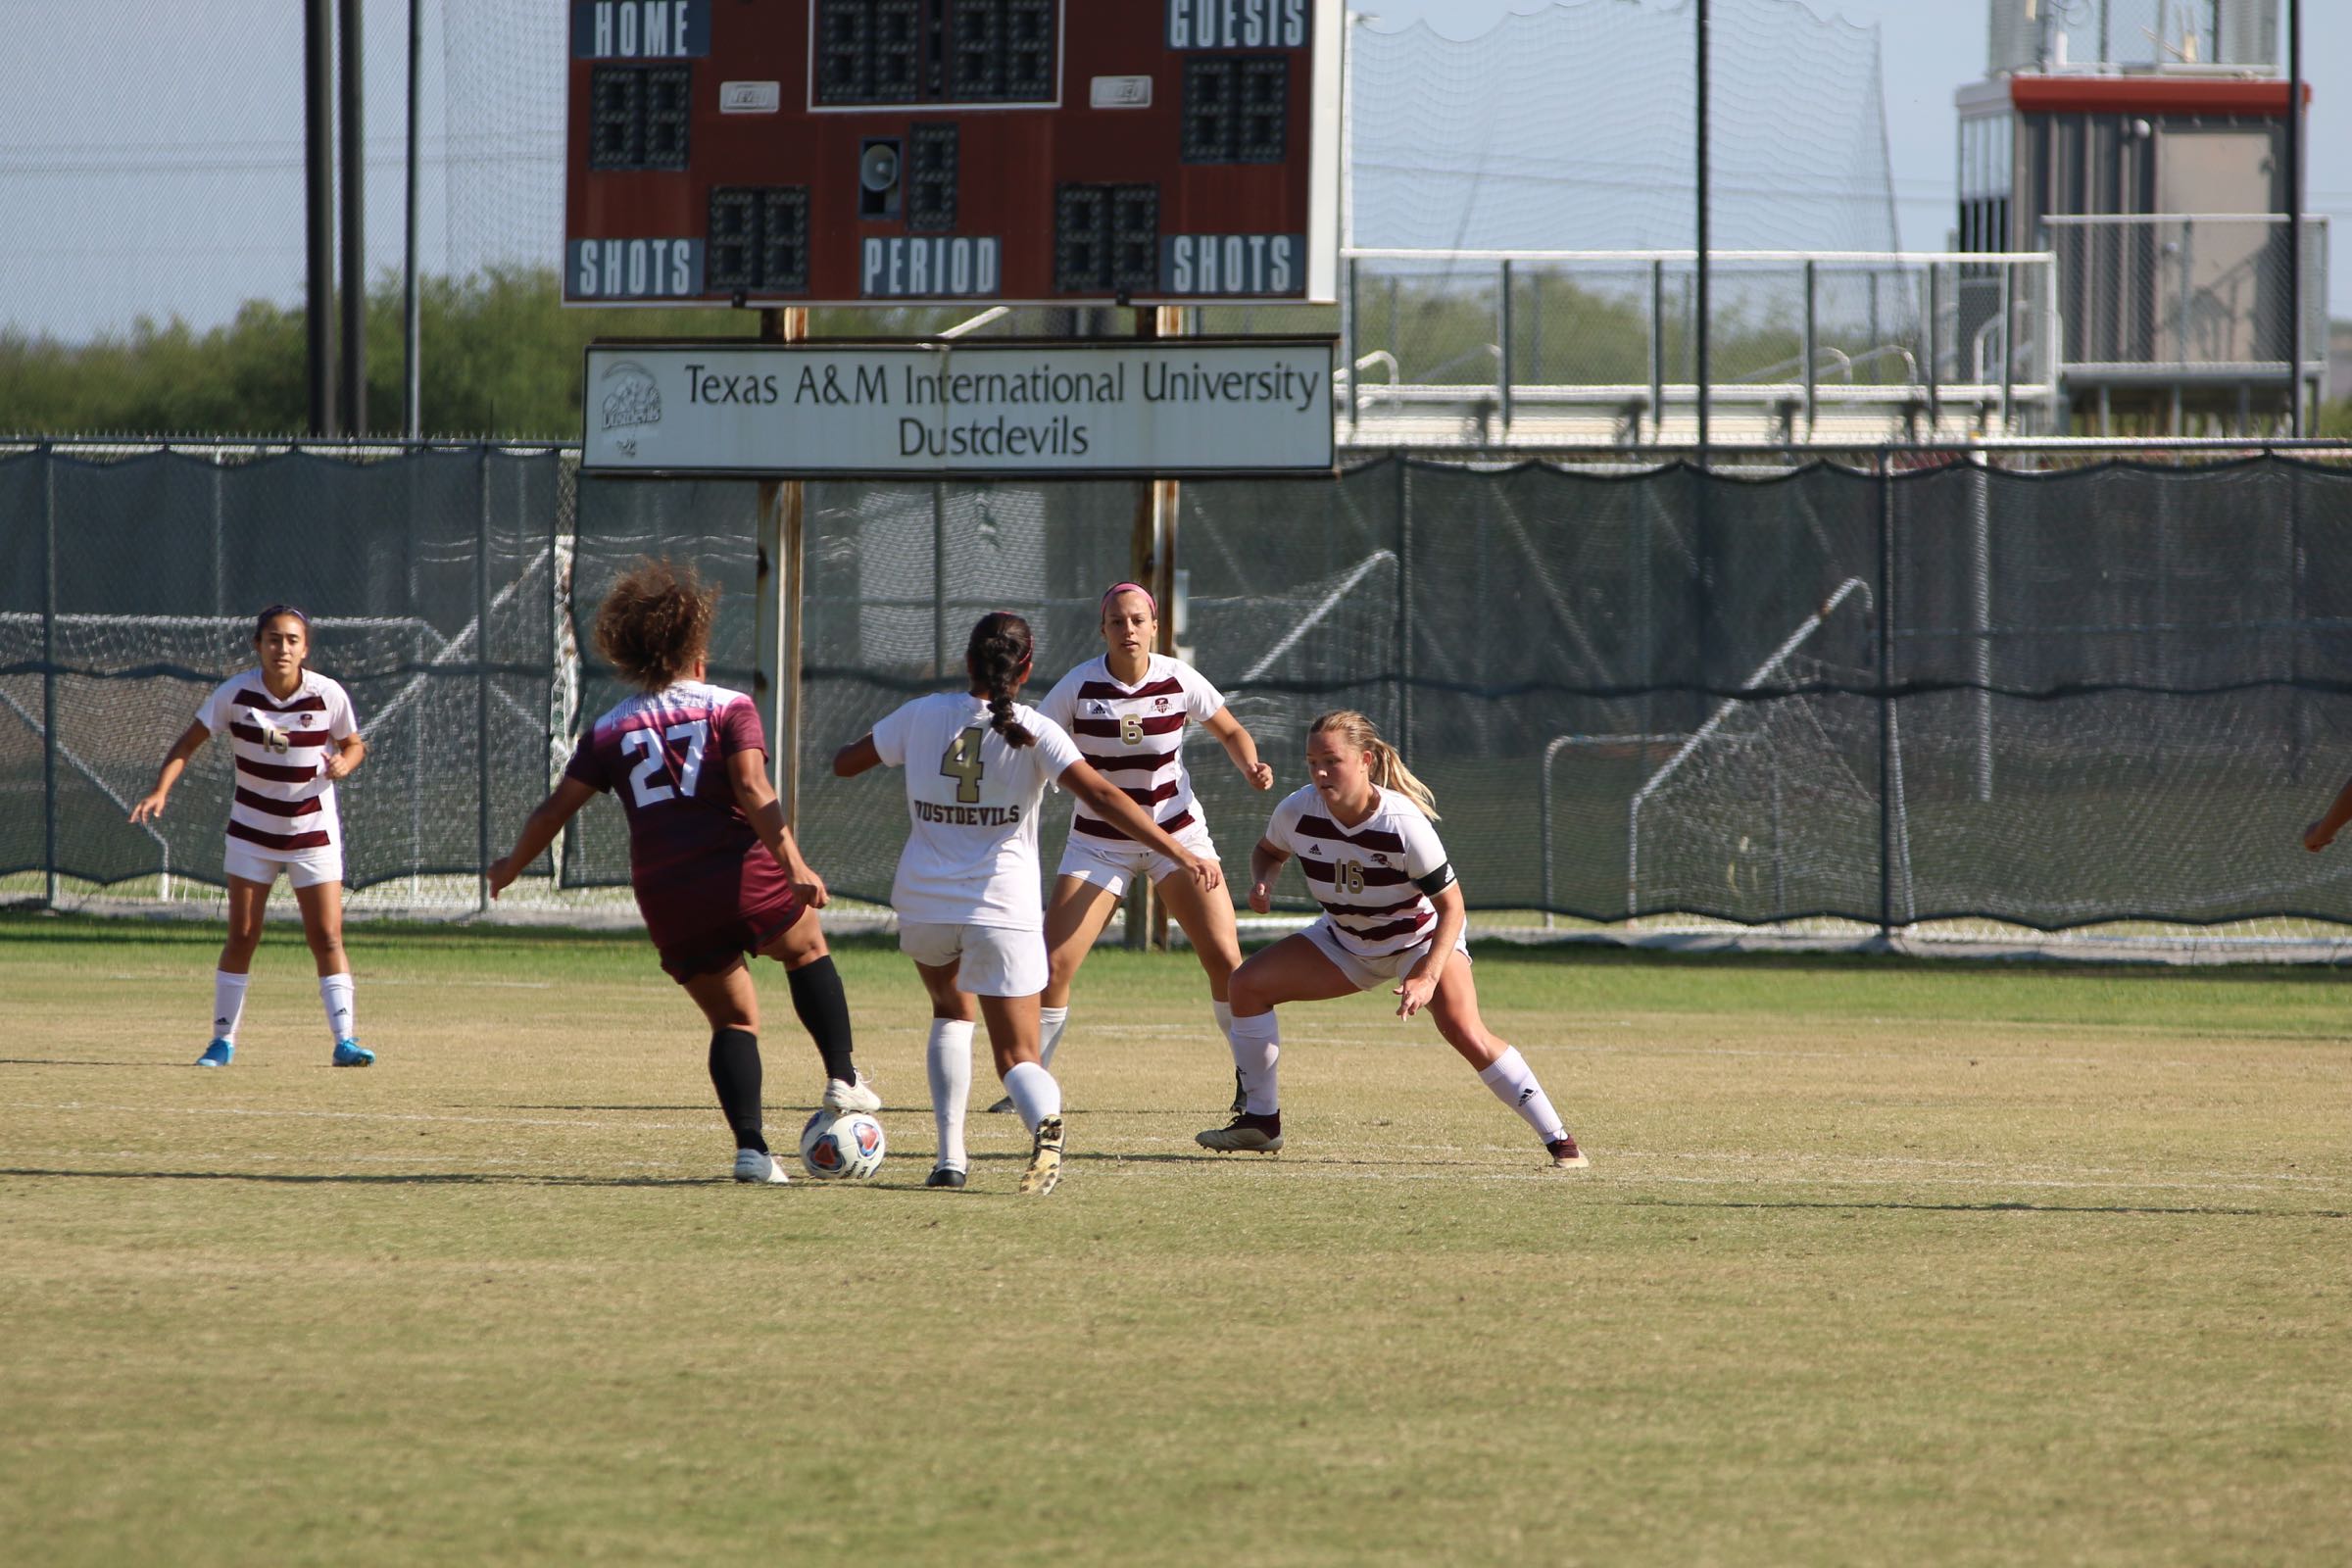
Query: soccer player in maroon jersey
x=715, y=870
x=292, y=734
x=1391, y=912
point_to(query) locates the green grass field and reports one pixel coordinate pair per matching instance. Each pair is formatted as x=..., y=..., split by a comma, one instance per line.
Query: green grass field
x=1880, y=1262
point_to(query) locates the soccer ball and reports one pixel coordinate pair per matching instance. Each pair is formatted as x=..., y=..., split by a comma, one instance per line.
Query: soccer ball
x=844, y=1148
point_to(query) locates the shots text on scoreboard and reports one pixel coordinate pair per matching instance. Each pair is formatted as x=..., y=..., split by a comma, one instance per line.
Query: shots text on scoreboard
x=1144, y=152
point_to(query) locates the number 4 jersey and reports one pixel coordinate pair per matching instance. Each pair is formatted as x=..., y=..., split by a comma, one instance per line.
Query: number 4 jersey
x=972, y=800
x=694, y=861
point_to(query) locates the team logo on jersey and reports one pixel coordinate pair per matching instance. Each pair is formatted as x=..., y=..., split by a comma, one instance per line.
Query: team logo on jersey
x=1383, y=860
x=1160, y=705
x=305, y=720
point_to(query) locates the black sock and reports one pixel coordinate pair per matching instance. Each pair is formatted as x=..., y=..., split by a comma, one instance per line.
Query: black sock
x=825, y=1010
x=735, y=1074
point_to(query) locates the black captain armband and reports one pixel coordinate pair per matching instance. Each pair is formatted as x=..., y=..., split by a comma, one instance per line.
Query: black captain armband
x=1437, y=881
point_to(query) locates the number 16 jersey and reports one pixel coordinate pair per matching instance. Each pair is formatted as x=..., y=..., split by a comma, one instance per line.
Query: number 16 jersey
x=971, y=801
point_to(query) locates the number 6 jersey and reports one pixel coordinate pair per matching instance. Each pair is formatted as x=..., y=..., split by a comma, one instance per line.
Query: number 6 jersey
x=693, y=859
x=971, y=801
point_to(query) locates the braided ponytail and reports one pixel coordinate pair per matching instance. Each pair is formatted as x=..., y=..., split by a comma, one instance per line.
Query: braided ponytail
x=998, y=655
x=1388, y=770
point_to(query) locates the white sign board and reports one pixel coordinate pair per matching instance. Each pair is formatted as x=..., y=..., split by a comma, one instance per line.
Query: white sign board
x=1172, y=405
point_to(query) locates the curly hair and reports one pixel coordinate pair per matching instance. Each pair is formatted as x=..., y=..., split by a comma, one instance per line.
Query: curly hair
x=998, y=655
x=656, y=624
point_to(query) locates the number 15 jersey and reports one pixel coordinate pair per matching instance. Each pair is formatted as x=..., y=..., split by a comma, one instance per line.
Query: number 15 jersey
x=971, y=801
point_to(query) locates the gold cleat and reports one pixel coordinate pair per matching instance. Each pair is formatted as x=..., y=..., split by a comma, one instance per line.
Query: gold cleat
x=1045, y=1158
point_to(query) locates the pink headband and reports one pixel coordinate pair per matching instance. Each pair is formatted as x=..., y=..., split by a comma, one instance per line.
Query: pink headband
x=1118, y=588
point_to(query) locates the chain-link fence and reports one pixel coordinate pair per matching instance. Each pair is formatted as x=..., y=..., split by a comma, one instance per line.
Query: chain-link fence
x=2185, y=295
x=1877, y=694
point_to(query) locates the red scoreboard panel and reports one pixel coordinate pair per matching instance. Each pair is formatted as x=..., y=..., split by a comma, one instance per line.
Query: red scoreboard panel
x=882, y=152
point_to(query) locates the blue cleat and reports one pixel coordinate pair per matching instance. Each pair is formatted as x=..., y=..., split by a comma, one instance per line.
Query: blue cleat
x=217, y=1054
x=350, y=1054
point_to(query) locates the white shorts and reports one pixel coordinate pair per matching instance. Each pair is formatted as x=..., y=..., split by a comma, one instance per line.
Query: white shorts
x=998, y=960
x=304, y=870
x=1368, y=973
x=1112, y=864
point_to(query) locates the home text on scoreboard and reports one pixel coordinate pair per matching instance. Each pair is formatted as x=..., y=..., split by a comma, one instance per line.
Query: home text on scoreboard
x=901, y=150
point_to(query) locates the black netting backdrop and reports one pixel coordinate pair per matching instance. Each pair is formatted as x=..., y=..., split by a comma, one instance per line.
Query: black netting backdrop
x=152, y=567
x=2052, y=699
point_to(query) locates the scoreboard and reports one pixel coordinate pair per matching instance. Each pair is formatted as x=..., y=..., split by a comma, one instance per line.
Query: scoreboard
x=885, y=152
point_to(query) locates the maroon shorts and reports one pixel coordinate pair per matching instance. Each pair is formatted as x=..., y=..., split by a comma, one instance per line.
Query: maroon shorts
x=706, y=922
x=720, y=948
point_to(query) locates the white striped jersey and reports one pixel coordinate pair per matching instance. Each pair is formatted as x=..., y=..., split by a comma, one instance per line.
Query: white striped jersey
x=1134, y=736
x=1366, y=876
x=285, y=805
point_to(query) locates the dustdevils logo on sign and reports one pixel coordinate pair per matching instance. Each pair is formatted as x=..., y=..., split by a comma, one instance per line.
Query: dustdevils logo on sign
x=630, y=395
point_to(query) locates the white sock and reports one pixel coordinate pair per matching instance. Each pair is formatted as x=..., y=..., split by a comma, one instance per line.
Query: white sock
x=1514, y=1084
x=1034, y=1094
x=1256, y=1049
x=1224, y=1012
x=947, y=1058
x=334, y=991
x=228, y=1003
x=1050, y=1022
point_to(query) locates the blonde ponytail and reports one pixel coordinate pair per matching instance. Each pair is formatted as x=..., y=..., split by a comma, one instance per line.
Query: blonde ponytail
x=1388, y=770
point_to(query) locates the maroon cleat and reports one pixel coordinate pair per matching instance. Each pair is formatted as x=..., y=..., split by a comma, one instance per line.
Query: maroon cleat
x=1245, y=1134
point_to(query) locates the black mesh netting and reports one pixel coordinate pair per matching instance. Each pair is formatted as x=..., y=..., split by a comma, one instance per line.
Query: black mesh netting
x=2051, y=698
x=2098, y=695
x=130, y=592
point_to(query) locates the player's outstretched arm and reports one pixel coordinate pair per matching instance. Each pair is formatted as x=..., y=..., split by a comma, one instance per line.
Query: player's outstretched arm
x=1110, y=803
x=747, y=771
x=539, y=831
x=2316, y=837
x=150, y=806
x=1265, y=864
x=858, y=756
x=1421, y=981
x=1240, y=745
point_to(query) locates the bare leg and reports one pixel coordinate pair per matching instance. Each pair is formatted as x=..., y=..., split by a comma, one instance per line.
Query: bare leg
x=246, y=903
x=1208, y=922
x=322, y=906
x=1454, y=1008
x=1292, y=969
x=1074, y=917
x=1011, y=1030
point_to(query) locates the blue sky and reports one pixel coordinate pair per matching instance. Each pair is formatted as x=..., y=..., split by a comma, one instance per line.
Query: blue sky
x=1928, y=48
x=161, y=173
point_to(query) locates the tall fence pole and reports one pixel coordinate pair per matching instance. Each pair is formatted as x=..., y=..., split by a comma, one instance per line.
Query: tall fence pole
x=318, y=200
x=482, y=680
x=776, y=604
x=2294, y=219
x=350, y=31
x=411, y=321
x=49, y=675
x=1980, y=615
x=1703, y=334
x=1884, y=604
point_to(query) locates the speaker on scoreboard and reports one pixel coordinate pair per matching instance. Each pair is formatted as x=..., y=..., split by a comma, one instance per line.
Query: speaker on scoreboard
x=879, y=177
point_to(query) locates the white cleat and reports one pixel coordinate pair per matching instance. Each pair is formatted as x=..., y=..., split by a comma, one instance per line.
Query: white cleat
x=842, y=1099
x=751, y=1166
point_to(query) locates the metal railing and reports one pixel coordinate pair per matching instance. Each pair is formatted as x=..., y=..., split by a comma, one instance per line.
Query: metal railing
x=2189, y=297
x=1526, y=347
